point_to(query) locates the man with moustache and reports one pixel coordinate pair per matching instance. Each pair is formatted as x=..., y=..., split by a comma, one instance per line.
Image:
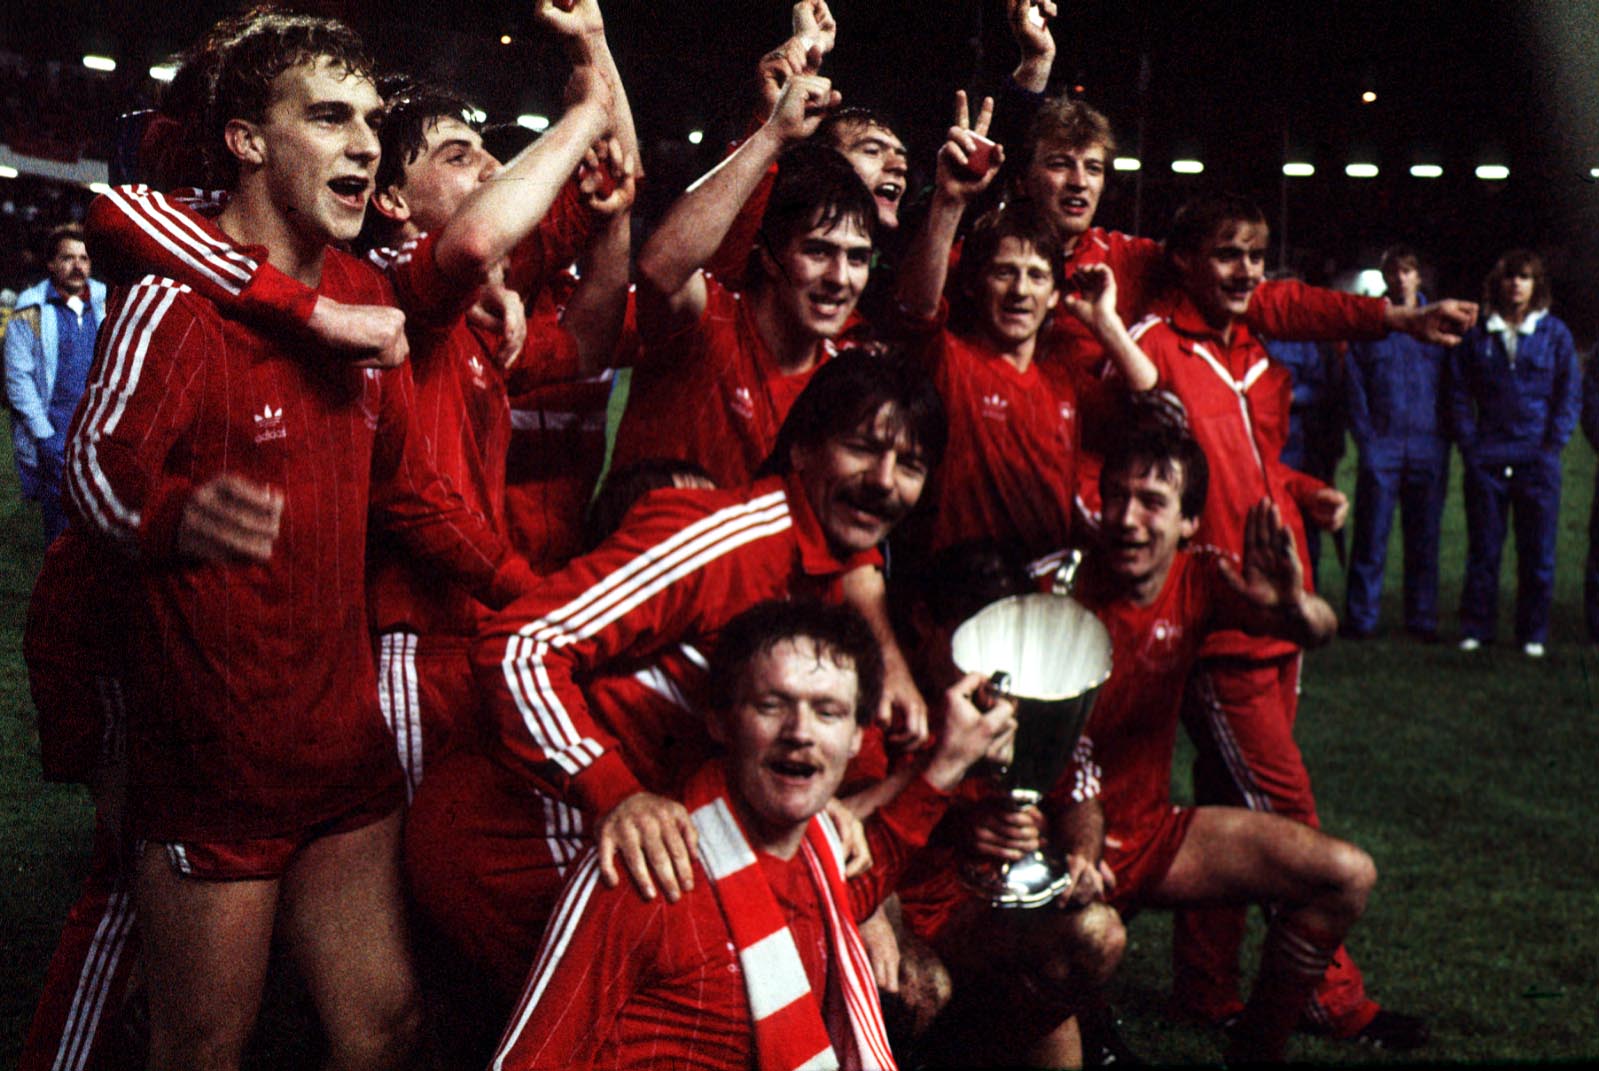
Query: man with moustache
x=49, y=346
x=568, y=769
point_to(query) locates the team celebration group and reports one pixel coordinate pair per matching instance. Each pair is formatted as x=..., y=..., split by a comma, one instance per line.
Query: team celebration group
x=537, y=739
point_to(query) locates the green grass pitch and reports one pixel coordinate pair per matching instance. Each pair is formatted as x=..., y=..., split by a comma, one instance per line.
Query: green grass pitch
x=1470, y=778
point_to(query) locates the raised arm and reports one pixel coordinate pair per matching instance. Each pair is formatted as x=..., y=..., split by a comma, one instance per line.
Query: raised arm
x=671, y=290
x=1029, y=27
x=1091, y=297
x=1271, y=584
x=924, y=272
x=503, y=211
x=596, y=311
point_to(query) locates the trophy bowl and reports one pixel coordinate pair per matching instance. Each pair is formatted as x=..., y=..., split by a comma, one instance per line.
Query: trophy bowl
x=1053, y=655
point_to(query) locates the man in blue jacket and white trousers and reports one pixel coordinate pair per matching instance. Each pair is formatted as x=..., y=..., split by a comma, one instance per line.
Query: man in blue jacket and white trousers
x=1514, y=397
x=1396, y=416
x=49, y=348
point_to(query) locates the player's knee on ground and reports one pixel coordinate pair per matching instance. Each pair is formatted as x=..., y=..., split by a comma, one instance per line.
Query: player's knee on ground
x=1352, y=875
x=925, y=986
x=1090, y=949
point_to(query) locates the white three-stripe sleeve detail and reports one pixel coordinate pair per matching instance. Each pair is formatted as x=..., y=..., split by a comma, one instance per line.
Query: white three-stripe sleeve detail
x=155, y=218
x=524, y=665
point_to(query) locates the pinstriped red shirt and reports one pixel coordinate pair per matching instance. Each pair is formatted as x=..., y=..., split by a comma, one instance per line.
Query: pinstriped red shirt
x=256, y=695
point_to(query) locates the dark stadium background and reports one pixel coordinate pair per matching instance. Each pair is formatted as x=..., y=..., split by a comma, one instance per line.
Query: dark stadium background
x=1230, y=83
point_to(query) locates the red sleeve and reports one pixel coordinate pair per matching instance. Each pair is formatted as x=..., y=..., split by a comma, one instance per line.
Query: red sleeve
x=553, y=245
x=140, y=399
x=548, y=356
x=411, y=500
x=675, y=569
x=602, y=948
x=896, y=831
x=727, y=264
x=136, y=230
x=1288, y=309
x=1301, y=487
x=1136, y=263
x=424, y=292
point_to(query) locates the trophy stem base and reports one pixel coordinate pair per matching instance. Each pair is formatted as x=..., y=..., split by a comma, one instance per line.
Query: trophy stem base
x=1034, y=880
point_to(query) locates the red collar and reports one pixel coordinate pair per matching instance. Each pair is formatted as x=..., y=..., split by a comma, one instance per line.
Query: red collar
x=1185, y=318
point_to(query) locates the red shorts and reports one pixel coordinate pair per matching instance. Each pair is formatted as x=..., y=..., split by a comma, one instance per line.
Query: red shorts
x=266, y=858
x=1141, y=860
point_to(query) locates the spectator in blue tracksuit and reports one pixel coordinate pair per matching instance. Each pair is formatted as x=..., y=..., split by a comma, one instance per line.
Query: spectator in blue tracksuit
x=49, y=346
x=1396, y=417
x=1514, y=397
x=1316, y=419
x=1590, y=431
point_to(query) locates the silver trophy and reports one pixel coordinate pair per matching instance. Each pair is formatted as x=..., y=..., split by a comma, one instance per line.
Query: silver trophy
x=1049, y=654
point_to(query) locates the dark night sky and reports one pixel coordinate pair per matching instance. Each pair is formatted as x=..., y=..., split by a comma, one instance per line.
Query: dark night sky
x=1460, y=83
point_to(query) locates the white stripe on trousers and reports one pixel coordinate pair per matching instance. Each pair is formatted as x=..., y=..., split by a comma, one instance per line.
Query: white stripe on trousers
x=402, y=709
x=94, y=981
x=110, y=941
x=568, y=912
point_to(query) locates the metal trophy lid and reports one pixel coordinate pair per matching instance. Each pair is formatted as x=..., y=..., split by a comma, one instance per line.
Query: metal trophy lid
x=1051, y=645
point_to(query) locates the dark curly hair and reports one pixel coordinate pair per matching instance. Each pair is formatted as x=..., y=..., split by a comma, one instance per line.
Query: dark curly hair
x=838, y=633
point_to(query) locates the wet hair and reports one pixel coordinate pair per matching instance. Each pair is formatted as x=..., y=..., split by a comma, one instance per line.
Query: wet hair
x=1398, y=258
x=1155, y=441
x=1069, y=122
x=1200, y=218
x=816, y=186
x=1020, y=220
x=410, y=110
x=1514, y=263
x=848, y=392
x=836, y=127
x=246, y=54
x=627, y=485
x=839, y=633
x=66, y=232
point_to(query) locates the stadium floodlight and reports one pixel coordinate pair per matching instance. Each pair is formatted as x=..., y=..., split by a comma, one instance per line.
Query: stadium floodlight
x=696, y=136
x=536, y=123
x=1188, y=167
x=7, y=171
x=479, y=115
x=1360, y=170
x=100, y=63
x=1298, y=169
x=1593, y=172
x=164, y=72
x=505, y=38
x=1369, y=97
x=1493, y=172
x=1127, y=163
x=1426, y=171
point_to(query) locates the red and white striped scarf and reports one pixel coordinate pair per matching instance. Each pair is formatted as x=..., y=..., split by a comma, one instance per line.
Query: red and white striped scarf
x=789, y=1029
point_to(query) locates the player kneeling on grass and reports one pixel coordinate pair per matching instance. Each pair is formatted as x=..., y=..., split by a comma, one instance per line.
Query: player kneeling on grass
x=1158, y=602
x=760, y=963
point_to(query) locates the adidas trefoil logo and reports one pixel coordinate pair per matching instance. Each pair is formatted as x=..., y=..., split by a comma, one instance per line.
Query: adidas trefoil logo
x=995, y=407
x=269, y=424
